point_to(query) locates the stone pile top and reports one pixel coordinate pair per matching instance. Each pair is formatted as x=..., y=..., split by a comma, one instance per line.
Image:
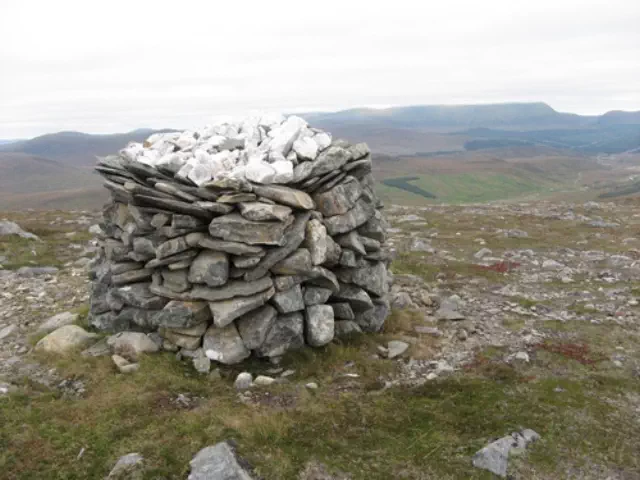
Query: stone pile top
x=268, y=149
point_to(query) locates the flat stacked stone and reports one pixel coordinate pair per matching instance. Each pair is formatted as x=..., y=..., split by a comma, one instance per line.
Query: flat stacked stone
x=255, y=237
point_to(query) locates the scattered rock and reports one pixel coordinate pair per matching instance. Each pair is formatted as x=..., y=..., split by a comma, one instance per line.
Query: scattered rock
x=128, y=467
x=65, y=339
x=243, y=381
x=217, y=462
x=495, y=456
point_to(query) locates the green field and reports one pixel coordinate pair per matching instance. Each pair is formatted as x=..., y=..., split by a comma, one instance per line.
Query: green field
x=465, y=188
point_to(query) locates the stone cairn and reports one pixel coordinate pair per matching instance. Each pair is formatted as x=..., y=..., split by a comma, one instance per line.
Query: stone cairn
x=255, y=236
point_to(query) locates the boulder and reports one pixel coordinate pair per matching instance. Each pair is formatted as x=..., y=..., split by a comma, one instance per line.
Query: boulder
x=254, y=326
x=316, y=241
x=298, y=263
x=235, y=228
x=57, y=321
x=316, y=295
x=226, y=311
x=224, y=344
x=64, y=339
x=289, y=300
x=131, y=344
x=286, y=196
x=319, y=325
x=209, y=267
x=261, y=212
x=285, y=334
x=217, y=462
x=180, y=314
x=340, y=199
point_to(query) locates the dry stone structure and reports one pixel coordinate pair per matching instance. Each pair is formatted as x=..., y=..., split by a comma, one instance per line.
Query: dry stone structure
x=255, y=236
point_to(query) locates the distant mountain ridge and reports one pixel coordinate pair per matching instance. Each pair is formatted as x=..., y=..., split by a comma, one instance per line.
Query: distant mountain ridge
x=77, y=148
x=511, y=115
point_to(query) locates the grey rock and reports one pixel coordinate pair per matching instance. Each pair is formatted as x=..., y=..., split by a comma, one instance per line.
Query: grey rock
x=122, y=267
x=346, y=328
x=246, y=262
x=395, y=348
x=342, y=311
x=180, y=314
x=160, y=220
x=495, y=456
x=57, y=321
x=131, y=344
x=372, y=277
x=132, y=276
x=321, y=277
x=172, y=247
x=176, y=206
x=234, y=248
x=340, y=199
x=334, y=252
x=138, y=295
x=64, y=339
x=263, y=381
x=370, y=245
x=292, y=240
x=316, y=295
x=319, y=325
x=445, y=313
x=243, y=381
x=217, y=462
x=403, y=300
x=201, y=362
x=233, y=198
x=352, y=219
x=190, y=342
x=298, y=263
x=98, y=349
x=285, y=282
x=254, y=326
x=373, y=319
x=285, y=334
x=171, y=260
x=176, y=280
x=128, y=467
x=258, y=211
x=209, y=267
x=226, y=311
x=12, y=228
x=224, y=345
x=375, y=227
x=234, y=227
x=29, y=272
x=330, y=160
x=214, y=207
x=285, y=195
x=289, y=300
x=348, y=259
x=316, y=241
x=421, y=245
x=234, y=288
x=186, y=221
x=351, y=240
x=8, y=331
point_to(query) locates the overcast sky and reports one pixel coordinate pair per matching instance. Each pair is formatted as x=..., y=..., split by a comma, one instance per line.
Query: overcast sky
x=118, y=65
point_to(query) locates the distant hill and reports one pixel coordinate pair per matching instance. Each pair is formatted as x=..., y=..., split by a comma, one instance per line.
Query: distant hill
x=75, y=148
x=511, y=115
x=28, y=181
x=424, y=129
x=3, y=142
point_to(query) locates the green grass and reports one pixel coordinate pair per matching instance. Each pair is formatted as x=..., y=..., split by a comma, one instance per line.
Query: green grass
x=466, y=188
x=433, y=435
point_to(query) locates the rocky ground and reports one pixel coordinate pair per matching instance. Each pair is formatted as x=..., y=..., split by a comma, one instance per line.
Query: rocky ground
x=505, y=317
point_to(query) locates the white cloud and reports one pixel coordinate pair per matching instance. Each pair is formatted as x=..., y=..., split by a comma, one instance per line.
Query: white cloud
x=118, y=65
